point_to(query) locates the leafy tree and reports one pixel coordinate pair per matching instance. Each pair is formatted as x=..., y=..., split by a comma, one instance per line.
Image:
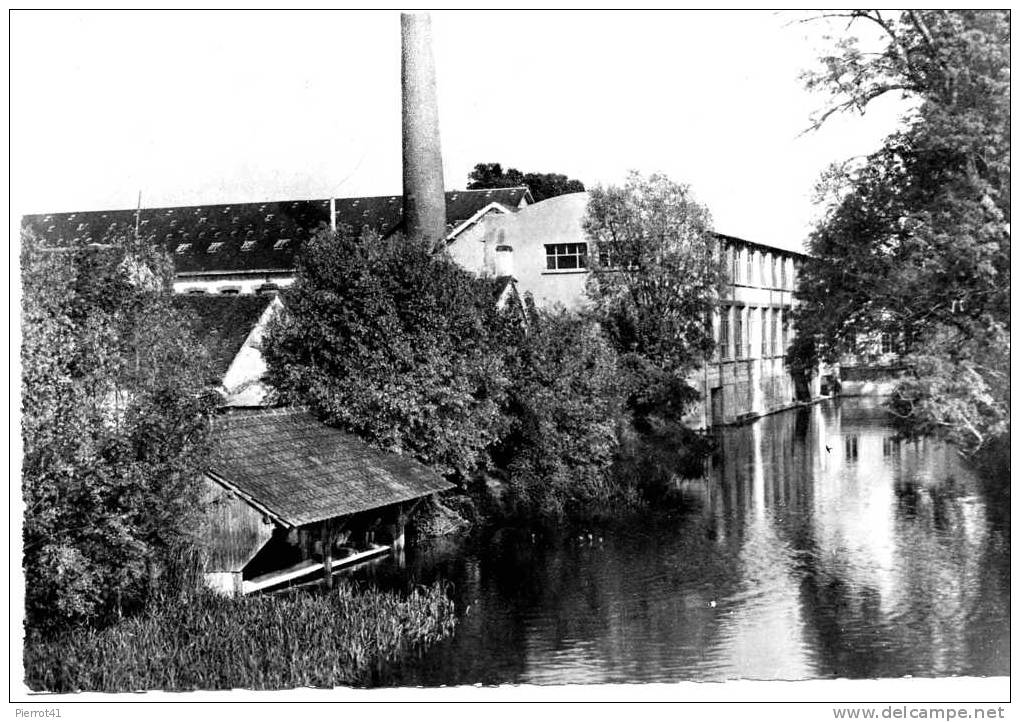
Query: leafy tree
x=541, y=185
x=114, y=426
x=915, y=240
x=492, y=175
x=394, y=343
x=565, y=404
x=656, y=274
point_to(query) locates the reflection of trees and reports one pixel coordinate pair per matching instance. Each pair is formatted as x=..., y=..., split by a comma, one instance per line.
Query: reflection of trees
x=897, y=582
x=895, y=564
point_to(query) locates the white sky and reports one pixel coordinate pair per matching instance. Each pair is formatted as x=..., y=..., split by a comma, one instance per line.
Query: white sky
x=195, y=108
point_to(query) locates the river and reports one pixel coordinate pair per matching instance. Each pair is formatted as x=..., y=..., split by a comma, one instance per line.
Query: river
x=816, y=546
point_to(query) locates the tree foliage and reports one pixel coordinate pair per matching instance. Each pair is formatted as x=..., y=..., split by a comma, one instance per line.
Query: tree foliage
x=541, y=185
x=114, y=426
x=656, y=274
x=395, y=343
x=565, y=408
x=915, y=240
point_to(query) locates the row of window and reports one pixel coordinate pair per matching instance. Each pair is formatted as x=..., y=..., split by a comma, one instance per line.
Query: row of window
x=760, y=268
x=266, y=289
x=735, y=338
x=246, y=246
x=743, y=265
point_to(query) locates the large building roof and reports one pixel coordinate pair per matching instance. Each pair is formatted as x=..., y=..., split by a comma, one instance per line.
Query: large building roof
x=247, y=237
x=302, y=471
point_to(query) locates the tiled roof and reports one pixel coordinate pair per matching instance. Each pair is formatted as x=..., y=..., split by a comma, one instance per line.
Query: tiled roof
x=221, y=324
x=252, y=236
x=304, y=471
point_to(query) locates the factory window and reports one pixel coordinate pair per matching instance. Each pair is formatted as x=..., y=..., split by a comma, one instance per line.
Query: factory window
x=765, y=350
x=777, y=343
x=750, y=267
x=887, y=344
x=214, y=247
x=247, y=246
x=182, y=248
x=724, y=332
x=738, y=332
x=782, y=273
x=731, y=265
x=565, y=256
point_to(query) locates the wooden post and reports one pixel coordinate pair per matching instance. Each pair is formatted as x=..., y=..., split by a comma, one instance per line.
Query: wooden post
x=398, y=529
x=327, y=552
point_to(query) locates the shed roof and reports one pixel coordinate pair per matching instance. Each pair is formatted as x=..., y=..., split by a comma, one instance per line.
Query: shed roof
x=251, y=236
x=303, y=471
x=222, y=324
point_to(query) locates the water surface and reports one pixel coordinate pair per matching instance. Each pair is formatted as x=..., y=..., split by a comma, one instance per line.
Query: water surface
x=816, y=546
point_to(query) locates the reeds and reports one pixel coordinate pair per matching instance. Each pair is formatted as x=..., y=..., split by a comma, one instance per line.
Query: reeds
x=300, y=639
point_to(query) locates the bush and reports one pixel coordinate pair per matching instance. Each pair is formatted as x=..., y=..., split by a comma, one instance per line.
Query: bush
x=565, y=406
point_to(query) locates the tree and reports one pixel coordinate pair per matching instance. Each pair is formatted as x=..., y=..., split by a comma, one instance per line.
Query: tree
x=394, y=343
x=114, y=426
x=656, y=274
x=541, y=185
x=915, y=240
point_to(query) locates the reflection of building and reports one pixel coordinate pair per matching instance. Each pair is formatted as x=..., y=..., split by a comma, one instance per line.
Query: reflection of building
x=859, y=554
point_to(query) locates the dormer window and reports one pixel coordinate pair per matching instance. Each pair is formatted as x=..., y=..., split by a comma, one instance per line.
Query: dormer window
x=247, y=246
x=182, y=248
x=214, y=247
x=281, y=244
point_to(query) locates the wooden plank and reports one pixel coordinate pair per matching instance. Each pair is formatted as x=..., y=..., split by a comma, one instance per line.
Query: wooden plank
x=307, y=568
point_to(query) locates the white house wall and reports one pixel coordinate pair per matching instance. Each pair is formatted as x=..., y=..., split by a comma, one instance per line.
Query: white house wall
x=556, y=220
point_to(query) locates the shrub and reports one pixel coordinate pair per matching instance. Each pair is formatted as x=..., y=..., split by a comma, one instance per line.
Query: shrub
x=565, y=407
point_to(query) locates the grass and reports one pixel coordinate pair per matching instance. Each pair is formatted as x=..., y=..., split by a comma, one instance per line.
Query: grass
x=263, y=642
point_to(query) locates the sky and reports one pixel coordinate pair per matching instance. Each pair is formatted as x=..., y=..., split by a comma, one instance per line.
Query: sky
x=193, y=108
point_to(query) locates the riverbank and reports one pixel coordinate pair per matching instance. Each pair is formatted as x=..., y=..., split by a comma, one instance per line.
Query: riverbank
x=262, y=642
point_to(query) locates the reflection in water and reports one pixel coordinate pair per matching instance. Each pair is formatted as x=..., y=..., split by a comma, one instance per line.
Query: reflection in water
x=817, y=545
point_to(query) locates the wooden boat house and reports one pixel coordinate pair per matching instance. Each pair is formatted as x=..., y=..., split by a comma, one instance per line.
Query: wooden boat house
x=292, y=498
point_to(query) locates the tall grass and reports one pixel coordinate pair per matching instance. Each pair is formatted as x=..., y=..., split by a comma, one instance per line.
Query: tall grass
x=263, y=642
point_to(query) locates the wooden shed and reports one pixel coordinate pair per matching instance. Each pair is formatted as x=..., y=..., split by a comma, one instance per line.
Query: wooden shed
x=291, y=497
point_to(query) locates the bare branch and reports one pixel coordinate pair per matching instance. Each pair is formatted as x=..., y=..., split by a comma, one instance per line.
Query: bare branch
x=857, y=103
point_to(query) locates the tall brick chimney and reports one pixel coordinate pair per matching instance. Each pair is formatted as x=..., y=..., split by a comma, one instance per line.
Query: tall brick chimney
x=424, y=199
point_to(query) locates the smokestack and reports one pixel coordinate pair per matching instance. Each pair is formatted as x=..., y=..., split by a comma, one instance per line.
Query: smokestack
x=424, y=199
